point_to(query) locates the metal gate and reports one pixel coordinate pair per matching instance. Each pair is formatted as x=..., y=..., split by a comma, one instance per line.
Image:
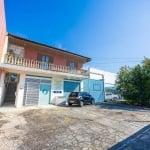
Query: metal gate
x=95, y=88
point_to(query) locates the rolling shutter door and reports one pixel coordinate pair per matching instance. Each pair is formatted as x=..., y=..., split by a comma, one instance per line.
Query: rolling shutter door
x=71, y=86
x=31, y=94
x=31, y=90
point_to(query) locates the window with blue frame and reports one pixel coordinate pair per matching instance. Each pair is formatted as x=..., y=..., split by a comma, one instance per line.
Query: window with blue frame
x=72, y=65
x=45, y=60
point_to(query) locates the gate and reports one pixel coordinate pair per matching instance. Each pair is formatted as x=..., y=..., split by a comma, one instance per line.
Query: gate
x=95, y=88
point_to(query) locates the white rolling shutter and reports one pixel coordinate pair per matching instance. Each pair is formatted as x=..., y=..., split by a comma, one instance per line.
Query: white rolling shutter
x=31, y=93
x=31, y=90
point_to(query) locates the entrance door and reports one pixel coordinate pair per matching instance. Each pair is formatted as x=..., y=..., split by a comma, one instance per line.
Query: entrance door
x=10, y=93
x=11, y=80
x=44, y=94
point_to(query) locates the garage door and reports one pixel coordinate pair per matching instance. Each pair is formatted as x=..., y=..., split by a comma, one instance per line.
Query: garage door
x=71, y=86
x=36, y=91
x=31, y=91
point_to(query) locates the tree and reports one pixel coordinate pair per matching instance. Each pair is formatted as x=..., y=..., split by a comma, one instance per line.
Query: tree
x=134, y=83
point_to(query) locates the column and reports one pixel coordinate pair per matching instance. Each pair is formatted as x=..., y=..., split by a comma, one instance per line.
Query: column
x=20, y=91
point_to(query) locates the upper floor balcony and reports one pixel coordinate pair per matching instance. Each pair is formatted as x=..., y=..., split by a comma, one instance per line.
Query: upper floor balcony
x=35, y=64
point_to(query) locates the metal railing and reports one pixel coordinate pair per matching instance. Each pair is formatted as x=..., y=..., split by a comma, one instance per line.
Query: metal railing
x=25, y=62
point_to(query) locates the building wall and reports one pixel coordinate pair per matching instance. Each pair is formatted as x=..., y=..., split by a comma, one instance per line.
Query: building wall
x=57, y=88
x=56, y=93
x=109, y=77
x=2, y=27
x=20, y=91
x=58, y=59
x=2, y=87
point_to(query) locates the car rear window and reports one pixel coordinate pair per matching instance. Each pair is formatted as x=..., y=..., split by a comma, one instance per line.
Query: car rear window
x=74, y=94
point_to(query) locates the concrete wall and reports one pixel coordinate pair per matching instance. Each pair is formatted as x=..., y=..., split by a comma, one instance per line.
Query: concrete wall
x=20, y=91
x=57, y=89
x=2, y=27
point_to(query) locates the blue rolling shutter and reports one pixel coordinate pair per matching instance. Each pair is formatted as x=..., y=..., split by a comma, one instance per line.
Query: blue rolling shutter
x=71, y=86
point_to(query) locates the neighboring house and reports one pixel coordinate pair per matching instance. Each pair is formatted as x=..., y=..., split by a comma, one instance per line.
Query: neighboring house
x=33, y=73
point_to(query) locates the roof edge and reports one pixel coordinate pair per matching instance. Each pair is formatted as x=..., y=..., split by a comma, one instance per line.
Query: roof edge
x=48, y=46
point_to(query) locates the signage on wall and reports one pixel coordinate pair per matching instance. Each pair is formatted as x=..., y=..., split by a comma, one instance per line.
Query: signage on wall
x=57, y=91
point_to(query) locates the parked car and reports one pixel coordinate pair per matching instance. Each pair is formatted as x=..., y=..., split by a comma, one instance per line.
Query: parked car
x=80, y=98
x=111, y=96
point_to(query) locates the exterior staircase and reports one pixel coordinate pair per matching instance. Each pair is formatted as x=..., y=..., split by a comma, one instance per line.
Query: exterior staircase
x=10, y=93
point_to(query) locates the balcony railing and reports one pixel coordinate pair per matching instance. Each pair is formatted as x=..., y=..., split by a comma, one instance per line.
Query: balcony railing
x=25, y=62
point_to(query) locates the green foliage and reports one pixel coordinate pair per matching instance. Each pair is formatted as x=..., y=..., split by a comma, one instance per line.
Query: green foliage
x=134, y=83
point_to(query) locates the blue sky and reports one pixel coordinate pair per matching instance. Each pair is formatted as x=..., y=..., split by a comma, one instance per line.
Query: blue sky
x=113, y=33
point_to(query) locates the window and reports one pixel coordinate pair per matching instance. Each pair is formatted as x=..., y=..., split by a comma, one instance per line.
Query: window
x=72, y=65
x=45, y=60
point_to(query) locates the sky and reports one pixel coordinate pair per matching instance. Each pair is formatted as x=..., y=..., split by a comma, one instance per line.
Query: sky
x=114, y=33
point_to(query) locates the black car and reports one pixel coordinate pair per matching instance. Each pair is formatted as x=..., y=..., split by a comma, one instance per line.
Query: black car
x=80, y=98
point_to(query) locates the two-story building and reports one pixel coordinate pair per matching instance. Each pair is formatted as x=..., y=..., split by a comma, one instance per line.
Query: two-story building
x=33, y=73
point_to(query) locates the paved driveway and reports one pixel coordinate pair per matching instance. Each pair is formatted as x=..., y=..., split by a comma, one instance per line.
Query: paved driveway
x=98, y=127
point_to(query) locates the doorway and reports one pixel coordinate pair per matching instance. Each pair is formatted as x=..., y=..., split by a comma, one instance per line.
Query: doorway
x=11, y=81
x=44, y=94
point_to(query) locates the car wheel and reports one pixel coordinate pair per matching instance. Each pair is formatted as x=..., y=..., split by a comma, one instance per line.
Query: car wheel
x=70, y=104
x=81, y=103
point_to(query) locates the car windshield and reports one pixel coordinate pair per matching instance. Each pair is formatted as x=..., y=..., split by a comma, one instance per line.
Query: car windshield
x=74, y=94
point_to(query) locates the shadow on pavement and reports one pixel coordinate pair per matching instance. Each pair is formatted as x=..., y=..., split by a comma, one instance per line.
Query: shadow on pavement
x=138, y=141
x=122, y=107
